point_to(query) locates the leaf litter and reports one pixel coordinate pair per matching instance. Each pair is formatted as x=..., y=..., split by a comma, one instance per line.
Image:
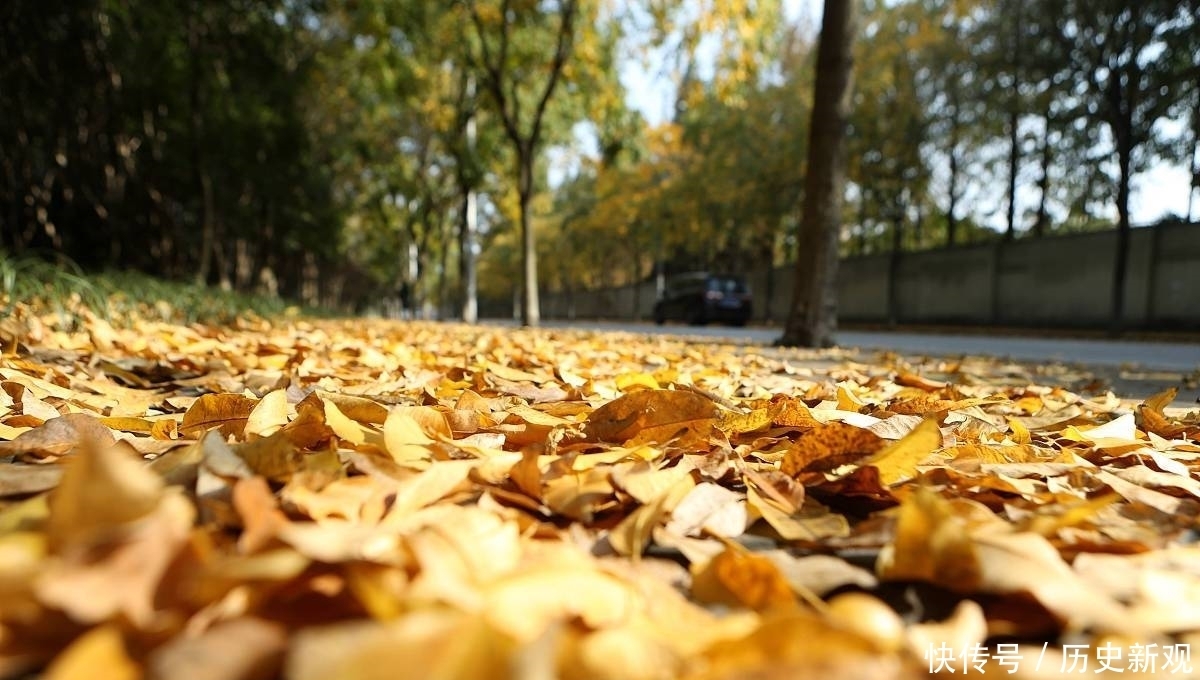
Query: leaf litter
x=391, y=500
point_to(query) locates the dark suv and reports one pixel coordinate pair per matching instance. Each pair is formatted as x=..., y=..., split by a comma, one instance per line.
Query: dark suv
x=700, y=297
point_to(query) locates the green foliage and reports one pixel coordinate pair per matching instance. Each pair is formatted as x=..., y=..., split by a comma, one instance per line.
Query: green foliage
x=320, y=149
x=61, y=293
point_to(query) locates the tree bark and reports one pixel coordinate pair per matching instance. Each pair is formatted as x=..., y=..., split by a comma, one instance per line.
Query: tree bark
x=812, y=321
x=1121, y=264
x=1014, y=129
x=530, y=312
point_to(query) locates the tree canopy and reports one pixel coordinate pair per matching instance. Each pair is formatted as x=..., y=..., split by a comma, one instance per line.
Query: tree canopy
x=332, y=150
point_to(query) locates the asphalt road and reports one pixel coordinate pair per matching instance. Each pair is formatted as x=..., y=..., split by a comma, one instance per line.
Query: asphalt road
x=1133, y=368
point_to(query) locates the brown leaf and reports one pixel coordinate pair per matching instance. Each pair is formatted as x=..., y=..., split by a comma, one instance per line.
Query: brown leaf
x=625, y=417
x=737, y=578
x=791, y=412
x=58, y=436
x=226, y=412
x=443, y=644
x=261, y=518
x=1153, y=419
x=274, y=457
x=828, y=446
x=21, y=480
x=308, y=429
x=241, y=649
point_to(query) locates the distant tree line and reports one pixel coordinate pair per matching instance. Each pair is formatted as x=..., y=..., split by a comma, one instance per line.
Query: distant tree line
x=334, y=149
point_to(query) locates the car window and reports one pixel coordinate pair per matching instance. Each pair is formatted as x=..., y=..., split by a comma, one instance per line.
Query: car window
x=727, y=285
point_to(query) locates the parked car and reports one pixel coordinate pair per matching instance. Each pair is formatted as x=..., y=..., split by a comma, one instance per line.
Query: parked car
x=700, y=297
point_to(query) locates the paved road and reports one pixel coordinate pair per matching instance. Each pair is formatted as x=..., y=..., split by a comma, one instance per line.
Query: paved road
x=1134, y=369
x=1147, y=355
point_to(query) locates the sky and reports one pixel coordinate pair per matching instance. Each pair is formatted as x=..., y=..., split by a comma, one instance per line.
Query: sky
x=1160, y=191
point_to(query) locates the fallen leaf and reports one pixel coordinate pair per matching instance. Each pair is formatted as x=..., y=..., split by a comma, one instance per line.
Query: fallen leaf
x=625, y=417
x=829, y=446
x=268, y=415
x=99, y=653
x=58, y=436
x=241, y=649
x=737, y=578
x=898, y=461
x=225, y=412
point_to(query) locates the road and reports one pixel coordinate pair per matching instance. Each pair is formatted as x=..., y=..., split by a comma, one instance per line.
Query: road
x=1134, y=368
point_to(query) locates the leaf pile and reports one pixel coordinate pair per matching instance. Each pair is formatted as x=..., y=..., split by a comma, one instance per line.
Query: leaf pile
x=371, y=499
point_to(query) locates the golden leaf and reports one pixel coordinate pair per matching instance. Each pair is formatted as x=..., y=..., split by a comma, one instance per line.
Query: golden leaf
x=898, y=461
x=269, y=414
x=625, y=417
x=738, y=578
x=226, y=411
x=828, y=446
x=410, y=431
x=98, y=654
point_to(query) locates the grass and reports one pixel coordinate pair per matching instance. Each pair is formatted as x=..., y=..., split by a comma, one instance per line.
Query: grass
x=61, y=294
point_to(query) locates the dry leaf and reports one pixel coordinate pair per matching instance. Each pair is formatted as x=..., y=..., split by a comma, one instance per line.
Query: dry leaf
x=625, y=417
x=737, y=578
x=100, y=654
x=226, y=412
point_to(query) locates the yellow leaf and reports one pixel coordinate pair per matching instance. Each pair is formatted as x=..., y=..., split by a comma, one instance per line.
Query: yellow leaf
x=410, y=431
x=847, y=400
x=99, y=654
x=732, y=422
x=128, y=424
x=633, y=533
x=738, y=578
x=444, y=644
x=898, y=461
x=630, y=381
x=1020, y=432
x=270, y=414
x=103, y=487
x=349, y=430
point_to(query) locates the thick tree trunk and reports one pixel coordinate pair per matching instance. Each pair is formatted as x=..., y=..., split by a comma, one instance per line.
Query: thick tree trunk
x=812, y=321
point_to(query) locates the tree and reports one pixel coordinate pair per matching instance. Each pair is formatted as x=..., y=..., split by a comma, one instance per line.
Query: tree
x=515, y=72
x=1132, y=64
x=812, y=320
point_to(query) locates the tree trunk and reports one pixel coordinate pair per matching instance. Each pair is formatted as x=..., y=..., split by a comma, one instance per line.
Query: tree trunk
x=1194, y=185
x=812, y=321
x=468, y=226
x=951, y=212
x=208, y=228
x=893, y=274
x=1121, y=265
x=530, y=313
x=1014, y=162
x=1043, y=213
x=1014, y=124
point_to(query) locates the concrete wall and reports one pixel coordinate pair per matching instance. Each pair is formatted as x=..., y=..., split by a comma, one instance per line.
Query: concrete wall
x=1061, y=281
